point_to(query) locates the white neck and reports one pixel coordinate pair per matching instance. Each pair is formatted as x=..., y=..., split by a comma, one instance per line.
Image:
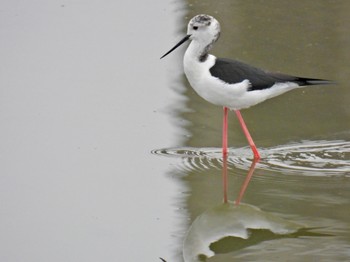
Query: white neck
x=197, y=50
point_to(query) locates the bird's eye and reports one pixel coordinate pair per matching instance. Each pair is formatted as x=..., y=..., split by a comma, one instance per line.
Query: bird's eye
x=195, y=27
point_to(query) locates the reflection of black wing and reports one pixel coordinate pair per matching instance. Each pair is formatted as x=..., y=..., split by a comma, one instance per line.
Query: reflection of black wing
x=231, y=244
x=232, y=72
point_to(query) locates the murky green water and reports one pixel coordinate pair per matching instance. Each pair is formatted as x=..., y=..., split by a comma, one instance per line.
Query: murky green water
x=296, y=203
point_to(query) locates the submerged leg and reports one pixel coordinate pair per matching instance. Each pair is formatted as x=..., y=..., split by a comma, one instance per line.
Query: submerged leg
x=248, y=136
x=224, y=133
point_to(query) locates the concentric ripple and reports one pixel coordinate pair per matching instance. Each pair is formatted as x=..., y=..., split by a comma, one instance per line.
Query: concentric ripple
x=312, y=158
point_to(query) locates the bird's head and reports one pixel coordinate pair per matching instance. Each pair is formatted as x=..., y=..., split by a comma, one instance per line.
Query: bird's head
x=203, y=29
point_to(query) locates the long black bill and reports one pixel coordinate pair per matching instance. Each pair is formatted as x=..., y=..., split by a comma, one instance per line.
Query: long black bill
x=177, y=45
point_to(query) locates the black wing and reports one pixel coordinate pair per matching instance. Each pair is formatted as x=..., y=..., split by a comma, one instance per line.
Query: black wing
x=233, y=71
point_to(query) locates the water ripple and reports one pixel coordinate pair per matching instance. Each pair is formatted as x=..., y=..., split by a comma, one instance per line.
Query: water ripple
x=311, y=158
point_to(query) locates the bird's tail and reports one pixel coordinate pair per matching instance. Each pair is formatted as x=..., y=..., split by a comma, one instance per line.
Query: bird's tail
x=312, y=81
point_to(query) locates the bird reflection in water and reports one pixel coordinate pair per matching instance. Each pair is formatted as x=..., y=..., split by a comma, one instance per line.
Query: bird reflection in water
x=245, y=183
x=231, y=226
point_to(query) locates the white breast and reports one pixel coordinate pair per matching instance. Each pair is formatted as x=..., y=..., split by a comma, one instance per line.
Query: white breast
x=211, y=88
x=234, y=96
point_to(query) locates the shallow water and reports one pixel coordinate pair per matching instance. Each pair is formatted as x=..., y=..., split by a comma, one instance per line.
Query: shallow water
x=310, y=158
x=298, y=197
x=107, y=154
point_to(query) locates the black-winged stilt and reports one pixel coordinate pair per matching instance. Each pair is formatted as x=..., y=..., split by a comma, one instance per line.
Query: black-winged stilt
x=230, y=83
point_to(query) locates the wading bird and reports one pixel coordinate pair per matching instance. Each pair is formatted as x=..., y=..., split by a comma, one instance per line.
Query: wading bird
x=230, y=83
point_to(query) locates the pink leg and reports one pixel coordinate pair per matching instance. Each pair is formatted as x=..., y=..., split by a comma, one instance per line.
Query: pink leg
x=248, y=136
x=224, y=177
x=224, y=133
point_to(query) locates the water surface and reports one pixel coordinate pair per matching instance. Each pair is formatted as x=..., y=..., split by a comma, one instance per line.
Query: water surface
x=303, y=176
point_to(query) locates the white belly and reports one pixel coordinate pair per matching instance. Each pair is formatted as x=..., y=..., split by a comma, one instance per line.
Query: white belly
x=233, y=96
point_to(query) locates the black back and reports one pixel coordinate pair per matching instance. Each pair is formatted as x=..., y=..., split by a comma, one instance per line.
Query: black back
x=233, y=71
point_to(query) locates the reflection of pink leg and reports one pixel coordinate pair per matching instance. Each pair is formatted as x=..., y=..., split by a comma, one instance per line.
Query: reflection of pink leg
x=224, y=133
x=246, y=181
x=224, y=177
x=247, y=135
